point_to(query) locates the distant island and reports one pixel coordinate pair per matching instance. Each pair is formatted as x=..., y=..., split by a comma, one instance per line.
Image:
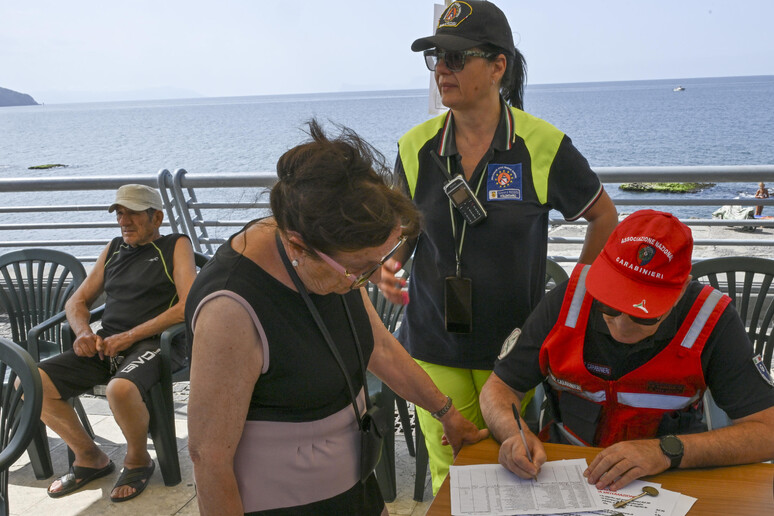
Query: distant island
x=14, y=98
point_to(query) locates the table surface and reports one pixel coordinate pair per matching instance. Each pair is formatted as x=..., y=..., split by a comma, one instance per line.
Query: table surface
x=737, y=490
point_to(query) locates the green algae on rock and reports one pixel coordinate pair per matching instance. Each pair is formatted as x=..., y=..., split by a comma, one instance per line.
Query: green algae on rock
x=44, y=167
x=665, y=187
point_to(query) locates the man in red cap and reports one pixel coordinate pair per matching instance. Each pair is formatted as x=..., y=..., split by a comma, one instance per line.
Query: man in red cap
x=626, y=349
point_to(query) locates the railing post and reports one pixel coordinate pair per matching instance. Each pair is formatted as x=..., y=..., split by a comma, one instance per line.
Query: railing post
x=164, y=180
x=185, y=207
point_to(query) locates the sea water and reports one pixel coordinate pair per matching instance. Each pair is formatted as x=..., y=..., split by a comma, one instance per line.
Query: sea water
x=715, y=121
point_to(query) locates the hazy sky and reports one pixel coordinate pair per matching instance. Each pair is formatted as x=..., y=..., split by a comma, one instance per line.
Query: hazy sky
x=105, y=50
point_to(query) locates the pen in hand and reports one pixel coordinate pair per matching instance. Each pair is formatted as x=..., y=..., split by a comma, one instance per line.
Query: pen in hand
x=521, y=431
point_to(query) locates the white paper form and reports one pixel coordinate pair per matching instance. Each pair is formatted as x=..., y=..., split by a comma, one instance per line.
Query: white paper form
x=667, y=503
x=661, y=505
x=492, y=490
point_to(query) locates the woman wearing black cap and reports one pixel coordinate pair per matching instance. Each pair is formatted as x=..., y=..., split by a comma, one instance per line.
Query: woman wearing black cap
x=485, y=176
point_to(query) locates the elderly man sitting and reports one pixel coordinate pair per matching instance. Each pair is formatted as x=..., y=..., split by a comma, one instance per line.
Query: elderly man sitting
x=627, y=347
x=146, y=278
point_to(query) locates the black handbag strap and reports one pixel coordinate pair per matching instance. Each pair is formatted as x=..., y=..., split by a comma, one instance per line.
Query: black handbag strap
x=326, y=334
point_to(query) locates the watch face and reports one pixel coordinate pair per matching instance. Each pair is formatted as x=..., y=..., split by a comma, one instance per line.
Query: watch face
x=672, y=445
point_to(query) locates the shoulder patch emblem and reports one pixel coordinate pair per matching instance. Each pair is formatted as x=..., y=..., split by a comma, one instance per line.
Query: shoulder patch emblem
x=509, y=343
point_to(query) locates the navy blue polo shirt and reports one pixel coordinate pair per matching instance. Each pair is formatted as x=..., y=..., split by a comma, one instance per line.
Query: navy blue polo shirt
x=529, y=169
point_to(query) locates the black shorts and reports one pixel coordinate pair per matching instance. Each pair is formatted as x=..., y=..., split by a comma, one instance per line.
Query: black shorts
x=73, y=375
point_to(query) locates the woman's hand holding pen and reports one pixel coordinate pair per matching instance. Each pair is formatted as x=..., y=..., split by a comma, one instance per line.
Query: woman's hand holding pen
x=514, y=456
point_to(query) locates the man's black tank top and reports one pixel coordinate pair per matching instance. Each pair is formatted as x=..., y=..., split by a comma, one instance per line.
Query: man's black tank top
x=139, y=283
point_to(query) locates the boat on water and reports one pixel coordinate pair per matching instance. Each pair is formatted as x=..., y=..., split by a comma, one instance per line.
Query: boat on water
x=679, y=88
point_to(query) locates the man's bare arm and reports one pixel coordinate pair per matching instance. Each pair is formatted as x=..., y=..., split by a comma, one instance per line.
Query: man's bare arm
x=748, y=439
x=77, y=308
x=497, y=399
x=184, y=275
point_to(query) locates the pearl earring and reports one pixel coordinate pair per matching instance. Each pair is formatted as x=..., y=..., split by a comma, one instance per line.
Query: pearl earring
x=294, y=263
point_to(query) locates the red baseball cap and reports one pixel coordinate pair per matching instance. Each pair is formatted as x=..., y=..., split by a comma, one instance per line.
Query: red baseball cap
x=644, y=264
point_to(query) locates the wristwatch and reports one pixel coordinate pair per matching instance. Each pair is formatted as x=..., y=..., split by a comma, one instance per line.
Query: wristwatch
x=438, y=415
x=672, y=447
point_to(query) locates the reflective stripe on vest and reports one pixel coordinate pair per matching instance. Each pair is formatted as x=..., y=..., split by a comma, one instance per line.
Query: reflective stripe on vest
x=577, y=299
x=656, y=401
x=701, y=319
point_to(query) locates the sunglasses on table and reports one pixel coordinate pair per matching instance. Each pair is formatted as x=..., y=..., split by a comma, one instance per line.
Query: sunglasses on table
x=362, y=279
x=454, y=59
x=612, y=312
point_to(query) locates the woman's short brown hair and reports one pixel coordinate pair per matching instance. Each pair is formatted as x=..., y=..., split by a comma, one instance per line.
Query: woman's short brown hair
x=336, y=194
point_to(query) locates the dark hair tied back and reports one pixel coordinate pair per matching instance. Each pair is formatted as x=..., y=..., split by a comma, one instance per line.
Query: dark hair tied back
x=335, y=194
x=515, y=77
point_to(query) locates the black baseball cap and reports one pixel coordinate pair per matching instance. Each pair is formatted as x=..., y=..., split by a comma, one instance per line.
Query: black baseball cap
x=465, y=25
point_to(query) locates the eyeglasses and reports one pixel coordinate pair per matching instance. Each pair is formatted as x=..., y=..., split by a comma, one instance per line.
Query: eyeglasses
x=455, y=60
x=359, y=281
x=612, y=312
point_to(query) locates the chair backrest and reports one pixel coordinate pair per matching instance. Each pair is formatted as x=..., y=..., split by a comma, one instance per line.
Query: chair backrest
x=35, y=284
x=748, y=282
x=555, y=274
x=18, y=419
x=390, y=313
x=200, y=259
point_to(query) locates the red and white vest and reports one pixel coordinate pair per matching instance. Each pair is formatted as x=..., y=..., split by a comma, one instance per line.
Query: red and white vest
x=633, y=405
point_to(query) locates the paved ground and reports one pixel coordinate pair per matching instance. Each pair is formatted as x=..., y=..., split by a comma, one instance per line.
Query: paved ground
x=28, y=496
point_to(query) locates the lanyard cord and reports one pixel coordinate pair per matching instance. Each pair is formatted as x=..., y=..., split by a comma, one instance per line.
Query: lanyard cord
x=326, y=334
x=458, y=249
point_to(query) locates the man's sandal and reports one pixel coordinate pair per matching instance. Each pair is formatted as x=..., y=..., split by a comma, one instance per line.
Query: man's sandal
x=79, y=476
x=137, y=478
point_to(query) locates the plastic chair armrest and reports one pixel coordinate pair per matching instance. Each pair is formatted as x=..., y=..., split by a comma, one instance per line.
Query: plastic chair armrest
x=68, y=337
x=36, y=331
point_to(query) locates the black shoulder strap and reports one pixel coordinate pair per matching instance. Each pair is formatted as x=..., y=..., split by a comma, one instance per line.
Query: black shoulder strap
x=326, y=334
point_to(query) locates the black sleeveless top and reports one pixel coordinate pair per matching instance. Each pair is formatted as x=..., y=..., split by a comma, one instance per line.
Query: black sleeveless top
x=303, y=381
x=139, y=283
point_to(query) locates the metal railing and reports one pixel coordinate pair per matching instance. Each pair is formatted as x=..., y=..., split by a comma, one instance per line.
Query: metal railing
x=35, y=212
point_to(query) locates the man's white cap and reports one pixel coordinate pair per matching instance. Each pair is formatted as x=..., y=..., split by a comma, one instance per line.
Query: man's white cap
x=137, y=198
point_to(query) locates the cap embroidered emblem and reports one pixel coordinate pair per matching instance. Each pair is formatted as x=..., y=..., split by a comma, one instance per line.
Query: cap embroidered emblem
x=455, y=14
x=641, y=306
x=645, y=254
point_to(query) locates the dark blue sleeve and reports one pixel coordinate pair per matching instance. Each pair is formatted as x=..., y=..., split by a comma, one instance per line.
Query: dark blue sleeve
x=520, y=368
x=727, y=360
x=572, y=186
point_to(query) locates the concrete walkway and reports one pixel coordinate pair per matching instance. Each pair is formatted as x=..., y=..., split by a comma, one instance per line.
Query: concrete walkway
x=28, y=496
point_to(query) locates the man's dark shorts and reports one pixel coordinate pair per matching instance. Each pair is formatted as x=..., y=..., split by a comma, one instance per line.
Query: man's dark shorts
x=141, y=364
